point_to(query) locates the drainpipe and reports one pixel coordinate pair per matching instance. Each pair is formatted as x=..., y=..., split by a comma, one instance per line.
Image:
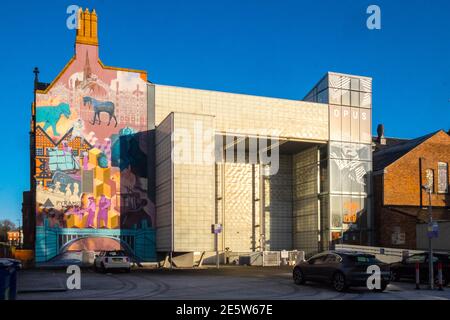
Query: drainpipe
x=420, y=181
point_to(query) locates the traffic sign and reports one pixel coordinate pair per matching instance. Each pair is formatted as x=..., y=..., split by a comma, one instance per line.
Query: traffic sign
x=433, y=230
x=216, y=228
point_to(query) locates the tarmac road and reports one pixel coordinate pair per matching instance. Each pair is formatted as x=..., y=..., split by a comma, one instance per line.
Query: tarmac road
x=236, y=283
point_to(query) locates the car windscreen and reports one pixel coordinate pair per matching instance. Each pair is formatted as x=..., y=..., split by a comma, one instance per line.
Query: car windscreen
x=441, y=257
x=115, y=254
x=364, y=259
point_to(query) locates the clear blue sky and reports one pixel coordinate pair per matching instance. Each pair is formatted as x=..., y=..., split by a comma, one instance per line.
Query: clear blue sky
x=271, y=48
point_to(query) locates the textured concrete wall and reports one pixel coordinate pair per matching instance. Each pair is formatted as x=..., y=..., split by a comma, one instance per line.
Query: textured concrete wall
x=239, y=206
x=278, y=207
x=194, y=186
x=184, y=189
x=163, y=184
x=246, y=114
x=241, y=212
x=305, y=201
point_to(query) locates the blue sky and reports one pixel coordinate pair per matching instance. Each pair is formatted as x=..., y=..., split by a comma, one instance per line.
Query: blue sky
x=271, y=48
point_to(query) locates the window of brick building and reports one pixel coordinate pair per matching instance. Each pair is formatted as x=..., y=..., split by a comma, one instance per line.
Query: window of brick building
x=442, y=177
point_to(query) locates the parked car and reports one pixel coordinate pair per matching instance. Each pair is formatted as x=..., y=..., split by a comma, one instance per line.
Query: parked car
x=17, y=263
x=116, y=259
x=342, y=269
x=406, y=269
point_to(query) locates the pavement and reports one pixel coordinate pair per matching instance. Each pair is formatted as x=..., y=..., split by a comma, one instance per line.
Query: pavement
x=227, y=283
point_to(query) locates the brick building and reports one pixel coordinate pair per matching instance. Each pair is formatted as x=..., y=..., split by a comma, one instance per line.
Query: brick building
x=400, y=168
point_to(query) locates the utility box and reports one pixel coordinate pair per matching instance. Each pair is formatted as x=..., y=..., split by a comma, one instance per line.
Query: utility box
x=251, y=259
x=271, y=258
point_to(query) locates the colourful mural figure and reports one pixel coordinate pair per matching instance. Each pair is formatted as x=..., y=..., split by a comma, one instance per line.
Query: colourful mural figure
x=100, y=107
x=51, y=115
x=102, y=216
x=91, y=212
x=92, y=181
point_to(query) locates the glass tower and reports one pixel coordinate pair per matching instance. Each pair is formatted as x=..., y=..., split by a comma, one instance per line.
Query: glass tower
x=347, y=217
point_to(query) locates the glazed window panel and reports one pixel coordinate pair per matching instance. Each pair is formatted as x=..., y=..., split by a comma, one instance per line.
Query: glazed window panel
x=335, y=122
x=346, y=181
x=366, y=85
x=354, y=125
x=364, y=152
x=354, y=84
x=324, y=176
x=354, y=99
x=322, y=97
x=348, y=151
x=348, y=176
x=335, y=96
x=345, y=82
x=336, y=211
x=346, y=124
x=335, y=81
x=323, y=84
x=345, y=97
x=335, y=176
x=365, y=126
x=442, y=177
x=335, y=150
x=365, y=100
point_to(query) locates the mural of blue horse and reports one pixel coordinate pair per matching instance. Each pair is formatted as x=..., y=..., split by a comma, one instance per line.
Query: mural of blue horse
x=50, y=115
x=99, y=107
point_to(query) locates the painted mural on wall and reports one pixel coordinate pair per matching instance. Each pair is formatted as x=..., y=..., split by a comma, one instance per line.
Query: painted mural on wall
x=91, y=151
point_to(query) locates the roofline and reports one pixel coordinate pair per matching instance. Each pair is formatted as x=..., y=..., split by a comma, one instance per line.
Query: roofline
x=50, y=86
x=349, y=75
x=404, y=139
x=57, y=77
x=338, y=74
x=430, y=136
x=122, y=69
x=239, y=94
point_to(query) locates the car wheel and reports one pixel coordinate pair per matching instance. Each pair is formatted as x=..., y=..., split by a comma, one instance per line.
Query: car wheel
x=383, y=287
x=395, y=276
x=339, y=283
x=103, y=268
x=299, y=277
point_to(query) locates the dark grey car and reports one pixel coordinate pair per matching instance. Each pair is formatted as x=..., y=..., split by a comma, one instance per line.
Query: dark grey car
x=342, y=269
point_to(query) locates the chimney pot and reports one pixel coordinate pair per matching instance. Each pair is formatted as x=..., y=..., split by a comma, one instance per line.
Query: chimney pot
x=87, y=32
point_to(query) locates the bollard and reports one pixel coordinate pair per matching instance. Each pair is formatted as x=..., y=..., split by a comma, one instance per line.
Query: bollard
x=441, y=285
x=417, y=276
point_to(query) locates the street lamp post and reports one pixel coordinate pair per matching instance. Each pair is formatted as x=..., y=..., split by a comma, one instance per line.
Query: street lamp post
x=430, y=238
x=430, y=244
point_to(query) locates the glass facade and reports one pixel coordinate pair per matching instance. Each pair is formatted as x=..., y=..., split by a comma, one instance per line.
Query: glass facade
x=349, y=167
